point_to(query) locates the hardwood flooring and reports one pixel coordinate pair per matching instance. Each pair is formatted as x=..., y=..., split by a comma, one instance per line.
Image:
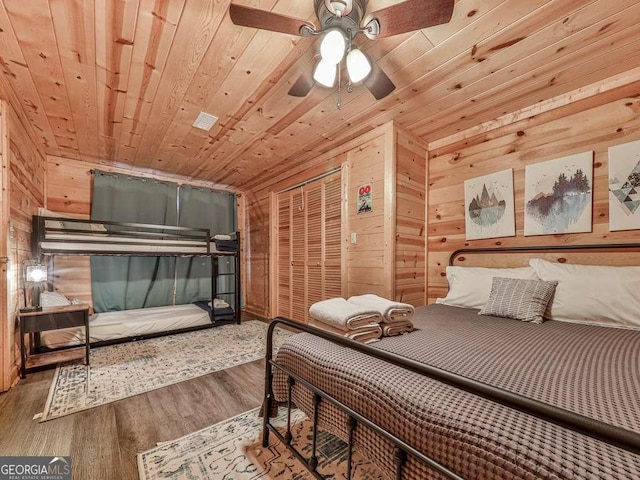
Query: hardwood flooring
x=103, y=441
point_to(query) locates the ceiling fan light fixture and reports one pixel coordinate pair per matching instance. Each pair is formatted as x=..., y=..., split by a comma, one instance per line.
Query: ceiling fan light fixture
x=325, y=73
x=333, y=46
x=358, y=65
x=339, y=7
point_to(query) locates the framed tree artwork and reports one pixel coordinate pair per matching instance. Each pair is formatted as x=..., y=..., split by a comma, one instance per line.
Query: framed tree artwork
x=488, y=202
x=624, y=186
x=558, y=195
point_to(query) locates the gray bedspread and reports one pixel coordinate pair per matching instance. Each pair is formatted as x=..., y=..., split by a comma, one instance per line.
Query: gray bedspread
x=593, y=371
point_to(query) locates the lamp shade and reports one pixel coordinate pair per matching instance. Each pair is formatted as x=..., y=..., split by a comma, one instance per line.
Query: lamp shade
x=333, y=46
x=325, y=73
x=358, y=65
x=36, y=273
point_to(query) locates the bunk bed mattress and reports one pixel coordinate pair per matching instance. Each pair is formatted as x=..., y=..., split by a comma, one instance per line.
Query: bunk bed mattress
x=593, y=371
x=129, y=323
x=104, y=243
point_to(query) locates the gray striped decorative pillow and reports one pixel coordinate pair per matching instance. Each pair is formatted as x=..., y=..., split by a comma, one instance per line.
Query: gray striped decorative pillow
x=518, y=298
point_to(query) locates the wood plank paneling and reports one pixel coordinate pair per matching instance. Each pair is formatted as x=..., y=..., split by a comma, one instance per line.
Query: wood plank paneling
x=365, y=257
x=5, y=335
x=121, y=81
x=39, y=47
x=563, y=131
x=410, y=238
x=26, y=192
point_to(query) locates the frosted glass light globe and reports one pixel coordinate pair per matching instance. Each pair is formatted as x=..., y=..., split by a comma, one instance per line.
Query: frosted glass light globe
x=358, y=65
x=332, y=47
x=325, y=73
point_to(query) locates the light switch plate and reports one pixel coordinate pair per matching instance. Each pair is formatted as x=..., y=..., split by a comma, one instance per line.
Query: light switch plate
x=354, y=237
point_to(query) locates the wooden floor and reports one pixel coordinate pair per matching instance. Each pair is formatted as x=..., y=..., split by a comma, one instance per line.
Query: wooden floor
x=103, y=441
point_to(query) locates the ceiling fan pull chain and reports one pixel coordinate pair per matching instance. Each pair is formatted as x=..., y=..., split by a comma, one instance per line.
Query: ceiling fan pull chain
x=339, y=103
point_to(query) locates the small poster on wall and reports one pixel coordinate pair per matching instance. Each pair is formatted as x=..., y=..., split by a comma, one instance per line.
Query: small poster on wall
x=557, y=195
x=488, y=202
x=624, y=186
x=365, y=198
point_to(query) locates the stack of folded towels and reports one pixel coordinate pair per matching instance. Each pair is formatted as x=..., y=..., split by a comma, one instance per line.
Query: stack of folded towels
x=396, y=316
x=364, y=318
x=351, y=320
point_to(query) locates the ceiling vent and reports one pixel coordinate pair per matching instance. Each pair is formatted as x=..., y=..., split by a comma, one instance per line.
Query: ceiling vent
x=205, y=121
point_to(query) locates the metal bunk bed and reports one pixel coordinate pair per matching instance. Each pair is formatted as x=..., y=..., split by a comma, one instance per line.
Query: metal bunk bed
x=63, y=236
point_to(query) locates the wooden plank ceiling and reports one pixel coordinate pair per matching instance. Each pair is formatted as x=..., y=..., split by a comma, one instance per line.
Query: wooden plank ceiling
x=121, y=81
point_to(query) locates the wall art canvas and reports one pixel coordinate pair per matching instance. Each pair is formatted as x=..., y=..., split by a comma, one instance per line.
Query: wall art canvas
x=624, y=186
x=558, y=194
x=488, y=202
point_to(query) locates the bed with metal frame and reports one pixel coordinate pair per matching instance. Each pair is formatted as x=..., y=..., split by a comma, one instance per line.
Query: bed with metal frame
x=63, y=236
x=613, y=435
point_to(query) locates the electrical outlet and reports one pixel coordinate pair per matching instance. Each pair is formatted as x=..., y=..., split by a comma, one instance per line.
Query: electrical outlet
x=354, y=237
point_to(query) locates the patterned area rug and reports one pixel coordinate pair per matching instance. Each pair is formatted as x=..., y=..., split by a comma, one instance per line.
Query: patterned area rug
x=233, y=450
x=128, y=369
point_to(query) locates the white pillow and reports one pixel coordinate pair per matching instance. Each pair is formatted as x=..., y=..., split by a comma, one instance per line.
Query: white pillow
x=592, y=294
x=53, y=299
x=470, y=287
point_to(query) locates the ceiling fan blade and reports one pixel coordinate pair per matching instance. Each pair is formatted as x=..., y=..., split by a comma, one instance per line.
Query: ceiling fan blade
x=303, y=85
x=410, y=15
x=266, y=20
x=378, y=83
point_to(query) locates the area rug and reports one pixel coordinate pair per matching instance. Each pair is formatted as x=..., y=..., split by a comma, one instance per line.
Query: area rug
x=128, y=369
x=233, y=449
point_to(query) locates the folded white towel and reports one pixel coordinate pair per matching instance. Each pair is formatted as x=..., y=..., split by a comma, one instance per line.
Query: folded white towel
x=341, y=314
x=222, y=237
x=217, y=303
x=365, y=334
x=391, y=311
x=396, y=328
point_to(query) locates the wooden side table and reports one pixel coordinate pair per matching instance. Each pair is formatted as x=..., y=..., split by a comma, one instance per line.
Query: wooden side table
x=53, y=318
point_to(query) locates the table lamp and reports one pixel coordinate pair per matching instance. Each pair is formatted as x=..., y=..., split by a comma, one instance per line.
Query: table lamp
x=33, y=273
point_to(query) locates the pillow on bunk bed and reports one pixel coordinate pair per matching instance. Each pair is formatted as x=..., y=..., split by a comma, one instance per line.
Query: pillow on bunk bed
x=519, y=298
x=470, y=287
x=593, y=294
x=94, y=227
x=225, y=243
x=53, y=299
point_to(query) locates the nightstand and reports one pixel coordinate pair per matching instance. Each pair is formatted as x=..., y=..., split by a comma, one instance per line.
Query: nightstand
x=53, y=318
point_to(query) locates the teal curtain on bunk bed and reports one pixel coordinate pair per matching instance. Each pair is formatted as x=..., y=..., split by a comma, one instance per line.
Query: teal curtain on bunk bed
x=125, y=283
x=215, y=210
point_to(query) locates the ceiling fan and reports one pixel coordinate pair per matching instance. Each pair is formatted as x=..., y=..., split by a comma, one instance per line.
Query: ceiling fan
x=340, y=22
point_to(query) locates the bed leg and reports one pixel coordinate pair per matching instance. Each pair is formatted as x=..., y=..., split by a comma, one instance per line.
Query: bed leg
x=399, y=457
x=288, y=436
x=268, y=379
x=266, y=409
x=351, y=426
x=313, y=461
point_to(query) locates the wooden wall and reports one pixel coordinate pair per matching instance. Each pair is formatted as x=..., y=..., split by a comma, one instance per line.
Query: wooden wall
x=388, y=256
x=410, y=236
x=5, y=334
x=354, y=157
x=26, y=192
x=69, y=187
x=606, y=118
x=368, y=260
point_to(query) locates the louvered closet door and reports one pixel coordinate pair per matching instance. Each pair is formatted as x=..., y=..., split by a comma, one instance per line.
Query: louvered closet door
x=332, y=223
x=308, y=246
x=298, y=253
x=284, y=256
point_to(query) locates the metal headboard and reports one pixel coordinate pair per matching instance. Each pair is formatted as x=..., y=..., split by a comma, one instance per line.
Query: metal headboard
x=545, y=248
